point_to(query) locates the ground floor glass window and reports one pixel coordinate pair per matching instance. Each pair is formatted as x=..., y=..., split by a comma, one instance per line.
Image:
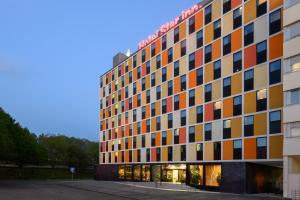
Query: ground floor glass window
x=196, y=174
x=137, y=172
x=146, y=173
x=121, y=172
x=128, y=169
x=213, y=175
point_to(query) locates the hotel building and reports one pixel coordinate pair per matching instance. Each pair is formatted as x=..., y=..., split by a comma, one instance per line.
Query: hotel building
x=291, y=88
x=202, y=100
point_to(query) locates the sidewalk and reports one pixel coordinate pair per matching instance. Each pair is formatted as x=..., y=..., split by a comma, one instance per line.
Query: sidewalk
x=163, y=186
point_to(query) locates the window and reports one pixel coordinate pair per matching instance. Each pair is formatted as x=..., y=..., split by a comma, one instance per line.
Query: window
x=183, y=118
x=199, y=114
x=152, y=109
x=143, y=141
x=164, y=42
x=261, y=100
x=148, y=96
x=199, y=37
x=199, y=73
x=261, y=55
x=176, y=34
x=207, y=135
x=237, y=149
x=217, y=69
x=143, y=112
x=148, y=67
x=134, y=115
x=248, y=126
x=119, y=71
x=292, y=31
x=158, y=92
x=130, y=77
x=182, y=152
x=134, y=61
x=226, y=6
x=294, y=164
x=192, y=25
x=164, y=138
x=275, y=22
x=170, y=120
x=157, y=154
x=227, y=87
x=237, y=61
x=226, y=44
x=237, y=105
x=275, y=122
x=208, y=92
x=183, y=82
x=148, y=155
x=153, y=48
x=191, y=98
x=170, y=88
x=130, y=103
x=183, y=47
x=226, y=129
x=143, y=55
x=248, y=34
x=164, y=106
x=261, y=7
x=208, y=53
x=139, y=100
x=249, y=80
x=275, y=72
x=153, y=79
x=292, y=64
x=170, y=153
x=143, y=83
x=192, y=134
x=158, y=123
x=217, y=29
x=153, y=139
x=164, y=74
x=139, y=71
x=191, y=61
x=208, y=14
x=176, y=68
x=294, y=129
x=148, y=125
x=292, y=97
x=126, y=143
x=217, y=150
x=237, y=17
x=176, y=136
x=199, y=151
x=170, y=55
x=176, y=102
x=134, y=88
x=158, y=62
x=261, y=148
x=217, y=110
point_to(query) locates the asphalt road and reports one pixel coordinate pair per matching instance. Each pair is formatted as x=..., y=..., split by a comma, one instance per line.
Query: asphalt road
x=89, y=189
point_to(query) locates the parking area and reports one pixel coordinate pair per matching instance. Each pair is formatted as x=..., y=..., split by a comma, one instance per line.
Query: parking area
x=90, y=189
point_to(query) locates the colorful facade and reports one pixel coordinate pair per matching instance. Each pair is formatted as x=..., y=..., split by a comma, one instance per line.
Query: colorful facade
x=200, y=102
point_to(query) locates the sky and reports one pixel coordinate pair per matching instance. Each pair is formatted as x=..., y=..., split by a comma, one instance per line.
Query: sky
x=52, y=53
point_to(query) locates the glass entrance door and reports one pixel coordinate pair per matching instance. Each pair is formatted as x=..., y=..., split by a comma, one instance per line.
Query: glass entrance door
x=175, y=176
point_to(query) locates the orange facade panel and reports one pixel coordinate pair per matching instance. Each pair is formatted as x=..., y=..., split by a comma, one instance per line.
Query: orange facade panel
x=249, y=148
x=250, y=56
x=228, y=150
x=276, y=46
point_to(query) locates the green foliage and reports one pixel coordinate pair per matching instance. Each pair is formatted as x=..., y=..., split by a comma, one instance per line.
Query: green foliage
x=21, y=147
